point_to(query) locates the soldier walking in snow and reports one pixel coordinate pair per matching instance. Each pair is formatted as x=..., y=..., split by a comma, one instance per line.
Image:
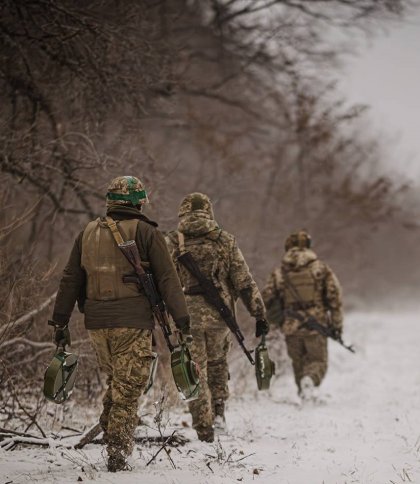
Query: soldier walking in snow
x=119, y=317
x=304, y=287
x=220, y=260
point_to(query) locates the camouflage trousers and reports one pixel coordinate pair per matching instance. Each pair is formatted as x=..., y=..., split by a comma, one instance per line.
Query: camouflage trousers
x=209, y=349
x=124, y=354
x=309, y=355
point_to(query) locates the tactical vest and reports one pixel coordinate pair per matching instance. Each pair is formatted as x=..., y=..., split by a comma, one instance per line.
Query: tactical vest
x=104, y=263
x=299, y=288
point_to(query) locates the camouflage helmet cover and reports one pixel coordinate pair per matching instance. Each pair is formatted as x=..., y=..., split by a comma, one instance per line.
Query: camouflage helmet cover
x=196, y=202
x=300, y=239
x=126, y=190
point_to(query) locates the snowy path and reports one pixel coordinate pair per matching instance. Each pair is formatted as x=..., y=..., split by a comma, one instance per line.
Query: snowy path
x=365, y=430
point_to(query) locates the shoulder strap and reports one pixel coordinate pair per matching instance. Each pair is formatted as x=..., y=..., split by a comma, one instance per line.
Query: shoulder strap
x=112, y=224
x=181, y=242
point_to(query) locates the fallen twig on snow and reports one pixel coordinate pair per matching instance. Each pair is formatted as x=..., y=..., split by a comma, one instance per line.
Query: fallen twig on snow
x=163, y=447
x=12, y=442
x=89, y=436
x=159, y=406
x=5, y=433
x=176, y=441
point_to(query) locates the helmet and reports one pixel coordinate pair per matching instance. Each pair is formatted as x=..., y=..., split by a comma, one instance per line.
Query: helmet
x=300, y=239
x=196, y=202
x=126, y=190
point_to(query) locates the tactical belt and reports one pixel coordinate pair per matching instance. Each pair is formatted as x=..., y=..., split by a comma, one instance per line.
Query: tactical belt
x=295, y=306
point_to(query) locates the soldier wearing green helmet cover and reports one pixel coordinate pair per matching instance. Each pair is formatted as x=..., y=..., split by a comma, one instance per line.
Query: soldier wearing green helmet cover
x=117, y=316
x=220, y=260
x=304, y=286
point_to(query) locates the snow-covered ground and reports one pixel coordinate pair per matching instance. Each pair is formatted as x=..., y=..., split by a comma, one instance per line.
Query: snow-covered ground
x=364, y=429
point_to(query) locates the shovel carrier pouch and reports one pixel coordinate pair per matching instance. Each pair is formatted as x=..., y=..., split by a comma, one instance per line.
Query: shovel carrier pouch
x=60, y=376
x=185, y=373
x=264, y=367
x=152, y=373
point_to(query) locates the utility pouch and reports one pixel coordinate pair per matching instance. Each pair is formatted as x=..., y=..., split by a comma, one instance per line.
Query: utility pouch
x=185, y=373
x=152, y=374
x=264, y=367
x=60, y=376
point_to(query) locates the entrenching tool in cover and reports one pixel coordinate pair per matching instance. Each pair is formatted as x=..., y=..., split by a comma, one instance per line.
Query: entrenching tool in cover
x=152, y=374
x=264, y=366
x=60, y=375
x=184, y=370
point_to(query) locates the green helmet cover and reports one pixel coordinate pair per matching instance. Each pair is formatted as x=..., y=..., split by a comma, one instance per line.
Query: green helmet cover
x=127, y=189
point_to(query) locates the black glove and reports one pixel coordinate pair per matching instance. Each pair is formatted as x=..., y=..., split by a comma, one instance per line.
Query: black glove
x=183, y=326
x=261, y=327
x=61, y=334
x=187, y=338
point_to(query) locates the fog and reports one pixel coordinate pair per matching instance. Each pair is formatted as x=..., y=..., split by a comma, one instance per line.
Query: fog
x=384, y=74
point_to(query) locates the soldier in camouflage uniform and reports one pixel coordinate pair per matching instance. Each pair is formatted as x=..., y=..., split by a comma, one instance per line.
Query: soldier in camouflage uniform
x=117, y=316
x=219, y=259
x=303, y=286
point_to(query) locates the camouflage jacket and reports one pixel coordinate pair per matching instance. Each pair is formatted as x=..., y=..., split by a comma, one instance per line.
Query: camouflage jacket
x=325, y=304
x=219, y=258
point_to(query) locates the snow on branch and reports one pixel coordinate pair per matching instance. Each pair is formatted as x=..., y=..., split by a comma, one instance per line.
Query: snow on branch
x=28, y=316
x=11, y=442
x=28, y=342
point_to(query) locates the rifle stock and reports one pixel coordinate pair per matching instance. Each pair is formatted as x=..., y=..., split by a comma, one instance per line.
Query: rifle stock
x=144, y=280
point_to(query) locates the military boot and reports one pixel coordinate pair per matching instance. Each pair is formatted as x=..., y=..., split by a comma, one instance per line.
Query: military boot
x=219, y=416
x=117, y=462
x=205, y=434
x=307, y=388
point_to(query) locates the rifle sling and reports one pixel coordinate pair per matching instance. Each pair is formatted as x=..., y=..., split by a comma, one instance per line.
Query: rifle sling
x=224, y=311
x=120, y=241
x=181, y=242
x=112, y=224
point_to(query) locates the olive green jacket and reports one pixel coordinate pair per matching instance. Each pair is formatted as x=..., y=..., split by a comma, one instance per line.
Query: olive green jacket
x=123, y=312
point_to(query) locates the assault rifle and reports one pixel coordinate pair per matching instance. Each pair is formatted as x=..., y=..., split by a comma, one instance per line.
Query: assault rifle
x=144, y=280
x=312, y=324
x=212, y=296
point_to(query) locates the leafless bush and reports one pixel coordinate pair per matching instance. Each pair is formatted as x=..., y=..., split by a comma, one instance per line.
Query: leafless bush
x=233, y=98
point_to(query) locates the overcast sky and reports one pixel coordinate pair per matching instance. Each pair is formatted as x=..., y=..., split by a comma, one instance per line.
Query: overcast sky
x=386, y=75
